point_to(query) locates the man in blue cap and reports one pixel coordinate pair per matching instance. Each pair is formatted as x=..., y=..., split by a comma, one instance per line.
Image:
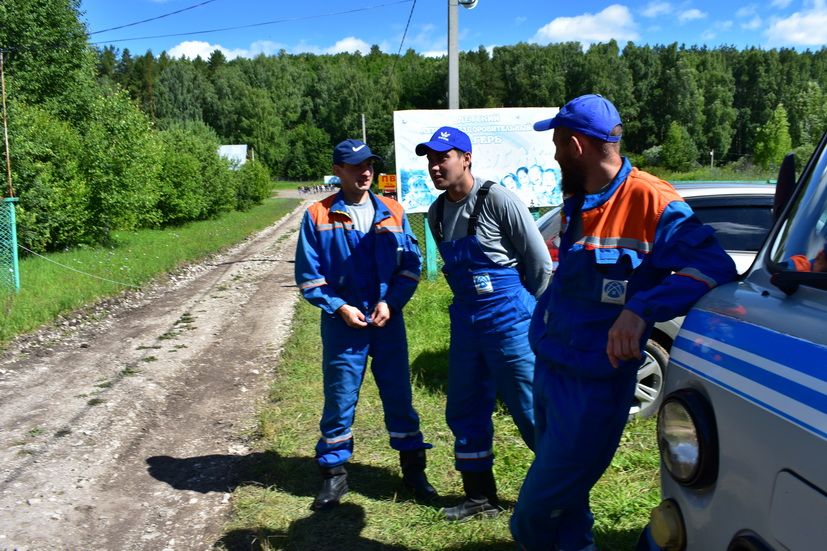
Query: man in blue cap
x=358, y=261
x=631, y=253
x=496, y=262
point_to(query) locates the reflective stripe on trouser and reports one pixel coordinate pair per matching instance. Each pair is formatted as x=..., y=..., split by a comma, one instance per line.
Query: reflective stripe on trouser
x=482, y=365
x=344, y=359
x=579, y=425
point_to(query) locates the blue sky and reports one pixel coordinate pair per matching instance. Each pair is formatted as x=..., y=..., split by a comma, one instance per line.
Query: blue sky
x=332, y=26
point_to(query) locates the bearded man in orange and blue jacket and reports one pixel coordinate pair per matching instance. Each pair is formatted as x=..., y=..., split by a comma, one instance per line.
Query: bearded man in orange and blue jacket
x=358, y=261
x=632, y=253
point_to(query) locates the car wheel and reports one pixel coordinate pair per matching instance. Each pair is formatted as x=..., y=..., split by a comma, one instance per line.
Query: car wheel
x=650, y=375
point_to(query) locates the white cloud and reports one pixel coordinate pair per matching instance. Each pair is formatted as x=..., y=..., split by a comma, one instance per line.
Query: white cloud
x=615, y=21
x=805, y=28
x=195, y=48
x=708, y=35
x=434, y=53
x=746, y=11
x=520, y=20
x=350, y=44
x=780, y=4
x=753, y=24
x=723, y=25
x=655, y=9
x=691, y=15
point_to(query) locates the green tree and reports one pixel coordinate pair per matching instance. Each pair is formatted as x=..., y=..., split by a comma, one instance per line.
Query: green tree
x=678, y=151
x=309, y=153
x=773, y=140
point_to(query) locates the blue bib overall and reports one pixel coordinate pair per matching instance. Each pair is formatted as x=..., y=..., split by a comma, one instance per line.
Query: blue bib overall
x=489, y=352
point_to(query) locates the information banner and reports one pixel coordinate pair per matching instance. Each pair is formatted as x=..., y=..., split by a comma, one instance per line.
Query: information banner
x=387, y=183
x=506, y=149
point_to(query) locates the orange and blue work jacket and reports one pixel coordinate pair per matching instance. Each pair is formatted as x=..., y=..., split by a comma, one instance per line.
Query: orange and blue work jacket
x=337, y=264
x=635, y=245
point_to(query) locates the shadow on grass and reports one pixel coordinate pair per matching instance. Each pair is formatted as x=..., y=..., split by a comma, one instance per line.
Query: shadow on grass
x=337, y=529
x=430, y=370
x=298, y=476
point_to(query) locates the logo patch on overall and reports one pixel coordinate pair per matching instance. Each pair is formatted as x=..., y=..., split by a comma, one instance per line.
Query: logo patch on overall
x=482, y=283
x=614, y=291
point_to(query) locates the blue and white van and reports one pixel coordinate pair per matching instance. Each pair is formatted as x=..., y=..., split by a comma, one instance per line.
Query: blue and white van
x=742, y=428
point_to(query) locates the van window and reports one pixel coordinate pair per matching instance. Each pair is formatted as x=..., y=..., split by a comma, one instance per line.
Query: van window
x=738, y=227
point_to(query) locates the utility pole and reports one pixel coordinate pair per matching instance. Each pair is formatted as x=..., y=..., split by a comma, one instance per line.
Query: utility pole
x=453, y=49
x=364, y=132
x=711, y=159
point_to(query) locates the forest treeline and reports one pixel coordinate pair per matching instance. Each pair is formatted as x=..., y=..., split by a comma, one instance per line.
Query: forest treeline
x=120, y=111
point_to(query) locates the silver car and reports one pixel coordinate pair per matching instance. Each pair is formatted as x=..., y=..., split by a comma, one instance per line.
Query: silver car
x=740, y=213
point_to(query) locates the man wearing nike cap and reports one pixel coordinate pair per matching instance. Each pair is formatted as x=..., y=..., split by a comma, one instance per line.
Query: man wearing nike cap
x=358, y=261
x=496, y=262
x=632, y=253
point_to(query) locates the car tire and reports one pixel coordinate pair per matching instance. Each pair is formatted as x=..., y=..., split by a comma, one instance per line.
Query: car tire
x=650, y=377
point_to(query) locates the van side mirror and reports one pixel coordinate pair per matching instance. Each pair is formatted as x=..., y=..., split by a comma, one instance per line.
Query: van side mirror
x=785, y=185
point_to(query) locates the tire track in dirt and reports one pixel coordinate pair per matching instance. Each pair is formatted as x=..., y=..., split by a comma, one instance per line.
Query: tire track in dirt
x=126, y=432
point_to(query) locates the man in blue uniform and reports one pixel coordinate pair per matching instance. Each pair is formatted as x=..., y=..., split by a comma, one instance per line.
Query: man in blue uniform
x=632, y=253
x=358, y=261
x=496, y=262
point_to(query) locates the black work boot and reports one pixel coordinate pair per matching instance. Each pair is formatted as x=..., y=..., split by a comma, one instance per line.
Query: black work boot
x=480, y=497
x=413, y=475
x=333, y=488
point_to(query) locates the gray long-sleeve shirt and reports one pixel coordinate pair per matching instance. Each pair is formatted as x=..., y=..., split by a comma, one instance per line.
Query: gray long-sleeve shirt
x=507, y=233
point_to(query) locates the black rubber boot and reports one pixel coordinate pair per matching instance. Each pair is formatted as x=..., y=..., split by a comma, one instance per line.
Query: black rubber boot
x=480, y=497
x=333, y=488
x=413, y=475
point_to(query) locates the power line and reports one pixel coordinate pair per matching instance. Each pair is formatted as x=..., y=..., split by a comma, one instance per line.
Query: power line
x=261, y=24
x=152, y=18
x=404, y=34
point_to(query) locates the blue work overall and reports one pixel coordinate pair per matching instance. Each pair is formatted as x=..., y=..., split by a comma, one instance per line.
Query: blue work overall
x=489, y=351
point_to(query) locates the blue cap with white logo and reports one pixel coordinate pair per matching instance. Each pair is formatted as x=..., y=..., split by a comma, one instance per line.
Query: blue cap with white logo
x=352, y=152
x=445, y=139
x=592, y=115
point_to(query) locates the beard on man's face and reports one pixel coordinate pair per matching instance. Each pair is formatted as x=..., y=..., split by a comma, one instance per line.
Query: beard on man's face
x=573, y=179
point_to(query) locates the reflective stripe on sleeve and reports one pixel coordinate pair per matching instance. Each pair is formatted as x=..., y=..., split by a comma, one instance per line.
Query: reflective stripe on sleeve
x=698, y=276
x=592, y=241
x=313, y=283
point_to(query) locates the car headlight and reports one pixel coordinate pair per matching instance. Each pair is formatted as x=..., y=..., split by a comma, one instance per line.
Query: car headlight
x=688, y=439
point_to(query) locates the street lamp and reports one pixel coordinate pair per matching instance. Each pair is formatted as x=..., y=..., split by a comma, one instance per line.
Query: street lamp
x=453, y=52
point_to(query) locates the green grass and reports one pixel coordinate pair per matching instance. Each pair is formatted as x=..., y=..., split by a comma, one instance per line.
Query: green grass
x=271, y=509
x=48, y=290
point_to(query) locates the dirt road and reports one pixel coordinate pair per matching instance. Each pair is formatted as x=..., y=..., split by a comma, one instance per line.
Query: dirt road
x=123, y=428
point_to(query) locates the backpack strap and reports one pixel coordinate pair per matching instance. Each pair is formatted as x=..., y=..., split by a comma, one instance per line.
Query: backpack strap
x=440, y=213
x=482, y=193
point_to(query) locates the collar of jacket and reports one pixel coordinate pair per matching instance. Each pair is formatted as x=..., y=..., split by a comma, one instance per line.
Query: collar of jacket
x=380, y=210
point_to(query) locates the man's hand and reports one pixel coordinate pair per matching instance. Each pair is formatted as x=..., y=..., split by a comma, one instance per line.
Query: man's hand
x=624, y=338
x=352, y=316
x=381, y=314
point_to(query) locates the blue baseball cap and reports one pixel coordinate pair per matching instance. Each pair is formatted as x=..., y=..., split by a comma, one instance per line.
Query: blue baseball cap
x=592, y=115
x=352, y=152
x=445, y=139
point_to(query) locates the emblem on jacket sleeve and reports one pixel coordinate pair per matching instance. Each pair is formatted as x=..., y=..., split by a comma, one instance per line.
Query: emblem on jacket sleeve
x=614, y=291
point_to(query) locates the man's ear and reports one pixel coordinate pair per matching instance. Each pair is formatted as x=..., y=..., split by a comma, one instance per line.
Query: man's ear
x=577, y=145
x=466, y=159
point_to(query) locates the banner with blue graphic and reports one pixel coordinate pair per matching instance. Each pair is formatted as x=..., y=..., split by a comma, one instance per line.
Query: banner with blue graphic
x=506, y=150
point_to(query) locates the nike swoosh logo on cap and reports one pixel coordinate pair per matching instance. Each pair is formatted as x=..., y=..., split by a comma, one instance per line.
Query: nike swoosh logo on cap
x=355, y=149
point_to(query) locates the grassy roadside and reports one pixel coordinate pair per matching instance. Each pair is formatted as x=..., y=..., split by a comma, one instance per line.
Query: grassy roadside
x=48, y=289
x=272, y=509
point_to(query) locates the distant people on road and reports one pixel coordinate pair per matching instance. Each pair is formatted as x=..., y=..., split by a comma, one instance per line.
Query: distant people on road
x=496, y=262
x=358, y=261
x=632, y=253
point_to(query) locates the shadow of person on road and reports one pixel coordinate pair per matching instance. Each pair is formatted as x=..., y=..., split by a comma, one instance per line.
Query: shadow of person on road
x=298, y=476
x=337, y=529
